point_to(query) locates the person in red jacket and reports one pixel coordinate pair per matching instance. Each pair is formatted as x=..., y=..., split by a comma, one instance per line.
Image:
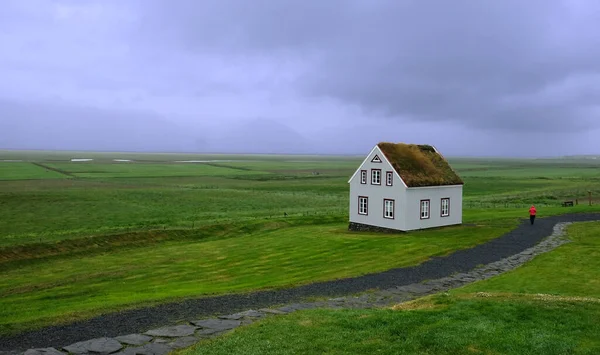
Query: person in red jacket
x=532, y=212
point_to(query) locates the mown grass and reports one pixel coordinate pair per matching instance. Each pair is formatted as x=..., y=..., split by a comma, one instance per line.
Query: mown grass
x=75, y=286
x=453, y=327
x=551, y=305
x=571, y=270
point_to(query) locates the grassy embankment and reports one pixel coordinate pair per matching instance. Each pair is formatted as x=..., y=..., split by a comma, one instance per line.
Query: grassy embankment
x=551, y=305
x=104, y=236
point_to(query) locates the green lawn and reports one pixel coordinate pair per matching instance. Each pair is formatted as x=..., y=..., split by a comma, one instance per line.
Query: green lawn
x=456, y=327
x=571, y=270
x=551, y=305
x=94, y=281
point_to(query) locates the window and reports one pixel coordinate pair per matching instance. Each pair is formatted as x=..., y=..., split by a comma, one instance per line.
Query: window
x=424, y=209
x=389, y=178
x=445, y=207
x=363, y=205
x=388, y=208
x=363, y=176
x=376, y=177
x=376, y=159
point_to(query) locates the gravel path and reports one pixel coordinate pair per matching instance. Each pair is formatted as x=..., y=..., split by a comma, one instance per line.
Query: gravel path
x=140, y=320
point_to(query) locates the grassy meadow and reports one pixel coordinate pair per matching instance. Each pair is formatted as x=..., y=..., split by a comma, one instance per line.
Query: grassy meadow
x=79, y=238
x=550, y=305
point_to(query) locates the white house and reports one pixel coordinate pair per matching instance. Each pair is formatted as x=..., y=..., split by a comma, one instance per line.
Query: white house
x=404, y=187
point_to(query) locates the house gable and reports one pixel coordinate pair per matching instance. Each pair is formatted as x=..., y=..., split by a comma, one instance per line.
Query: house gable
x=377, y=156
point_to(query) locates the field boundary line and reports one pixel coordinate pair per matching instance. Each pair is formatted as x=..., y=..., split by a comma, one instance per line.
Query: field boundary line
x=60, y=171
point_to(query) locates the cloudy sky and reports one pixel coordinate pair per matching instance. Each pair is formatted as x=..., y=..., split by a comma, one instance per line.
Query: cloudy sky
x=473, y=77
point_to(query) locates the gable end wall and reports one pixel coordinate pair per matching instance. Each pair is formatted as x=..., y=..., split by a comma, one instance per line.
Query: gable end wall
x=377, y=194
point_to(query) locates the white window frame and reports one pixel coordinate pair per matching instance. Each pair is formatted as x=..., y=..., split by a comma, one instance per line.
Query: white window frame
x=389, y=178
x=363, y=176
x=425, y=209
x=363, y=205
x=388, y=208
x=445, y=209
x=375, y=176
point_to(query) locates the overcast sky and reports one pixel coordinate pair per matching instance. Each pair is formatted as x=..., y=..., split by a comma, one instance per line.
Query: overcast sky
x=472, y=77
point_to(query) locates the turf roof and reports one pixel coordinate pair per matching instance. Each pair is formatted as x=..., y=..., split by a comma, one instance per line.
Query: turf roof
x=419, y=165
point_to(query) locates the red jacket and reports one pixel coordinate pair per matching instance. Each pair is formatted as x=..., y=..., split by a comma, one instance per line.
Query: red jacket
x=532, y=211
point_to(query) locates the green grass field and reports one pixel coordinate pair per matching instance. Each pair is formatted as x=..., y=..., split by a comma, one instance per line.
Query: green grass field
x=82, y=238
x=26, y=171
x=71, y=287
x=551, y=305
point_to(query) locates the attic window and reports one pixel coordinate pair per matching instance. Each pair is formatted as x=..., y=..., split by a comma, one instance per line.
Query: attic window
x=375, y=176
x=363, y=176
x=389, y=178
x=376, y=159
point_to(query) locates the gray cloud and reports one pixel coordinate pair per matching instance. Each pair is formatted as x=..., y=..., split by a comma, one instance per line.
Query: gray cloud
x=489, y=64
x=300, y=76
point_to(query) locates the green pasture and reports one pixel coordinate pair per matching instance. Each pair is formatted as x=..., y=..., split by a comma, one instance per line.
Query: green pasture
x=106, y=197
x=85, y=284
x=130, y=169
x=71, y=208
x=551, y=305
x=25, y=171
x=83, y=238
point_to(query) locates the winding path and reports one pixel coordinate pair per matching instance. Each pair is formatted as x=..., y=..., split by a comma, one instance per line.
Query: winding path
x=140, y=320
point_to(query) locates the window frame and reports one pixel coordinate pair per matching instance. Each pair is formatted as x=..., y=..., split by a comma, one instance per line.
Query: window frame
x=428, y=209
x=442, y=207
x=389, y=178
x=363, y=177
x=366, y=213
x=372, y=176
x=393, y=214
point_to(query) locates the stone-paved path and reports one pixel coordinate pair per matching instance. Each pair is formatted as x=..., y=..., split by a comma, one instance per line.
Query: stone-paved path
x=127, y=332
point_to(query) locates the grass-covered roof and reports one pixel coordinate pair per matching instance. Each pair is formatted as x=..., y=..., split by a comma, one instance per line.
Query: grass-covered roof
x=419, y=165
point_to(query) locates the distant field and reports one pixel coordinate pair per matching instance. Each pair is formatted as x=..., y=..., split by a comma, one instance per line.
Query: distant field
x=124, y=169
x=26, y=171
x=71, y=230
x=41, y=156
x=70, y=199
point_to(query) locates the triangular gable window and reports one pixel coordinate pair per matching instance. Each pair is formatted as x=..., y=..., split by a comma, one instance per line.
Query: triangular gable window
x=376, y=159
